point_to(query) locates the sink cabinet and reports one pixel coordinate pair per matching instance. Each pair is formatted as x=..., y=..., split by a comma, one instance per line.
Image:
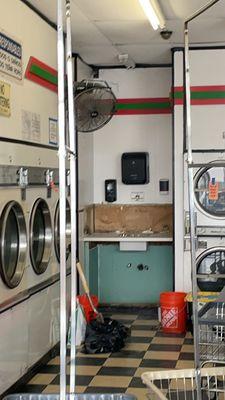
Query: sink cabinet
x=129, y=277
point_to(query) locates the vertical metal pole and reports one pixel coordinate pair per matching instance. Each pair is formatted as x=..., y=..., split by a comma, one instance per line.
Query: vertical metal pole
x=192, y=210
x=72, y=139
x=62, y=199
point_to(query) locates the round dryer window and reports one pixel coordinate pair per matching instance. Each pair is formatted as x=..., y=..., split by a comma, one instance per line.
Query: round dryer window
x=210, y=190
x=13, y=244
x=40, y=236
x=57, y=231
x=211, y=263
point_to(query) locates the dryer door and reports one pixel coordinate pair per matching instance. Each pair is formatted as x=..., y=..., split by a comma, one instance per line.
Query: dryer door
x=211, y=262
x=210, y=191
x=13, y=246
x=40, y=236
x=57, y=231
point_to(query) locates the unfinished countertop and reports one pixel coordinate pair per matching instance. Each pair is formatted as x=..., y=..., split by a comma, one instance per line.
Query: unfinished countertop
x=128, y=237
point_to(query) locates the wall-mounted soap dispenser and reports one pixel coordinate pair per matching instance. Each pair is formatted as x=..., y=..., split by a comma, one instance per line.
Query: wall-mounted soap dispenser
x=110, y=190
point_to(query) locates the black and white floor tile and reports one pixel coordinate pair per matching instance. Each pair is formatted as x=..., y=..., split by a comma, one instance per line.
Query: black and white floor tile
x=148, y=348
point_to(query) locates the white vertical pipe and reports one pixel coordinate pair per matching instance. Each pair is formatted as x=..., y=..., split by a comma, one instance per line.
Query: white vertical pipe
x=72, y=139
x=62, y=198
x=192, y=210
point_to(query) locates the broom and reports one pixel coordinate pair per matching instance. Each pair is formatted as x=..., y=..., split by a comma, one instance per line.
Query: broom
x=99, y=317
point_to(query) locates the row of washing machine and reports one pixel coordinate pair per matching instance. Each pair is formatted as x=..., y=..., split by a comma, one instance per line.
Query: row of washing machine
x=209, y=191
x=29, y=228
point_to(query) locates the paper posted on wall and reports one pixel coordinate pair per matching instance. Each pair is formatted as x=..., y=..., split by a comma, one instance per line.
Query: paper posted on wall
x=5, y=108
x=31, y=126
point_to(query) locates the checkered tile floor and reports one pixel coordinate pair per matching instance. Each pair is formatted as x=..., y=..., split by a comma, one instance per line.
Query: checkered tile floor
x=148, y=348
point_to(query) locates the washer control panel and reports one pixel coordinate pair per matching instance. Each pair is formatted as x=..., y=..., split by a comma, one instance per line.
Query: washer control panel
x=210, y=230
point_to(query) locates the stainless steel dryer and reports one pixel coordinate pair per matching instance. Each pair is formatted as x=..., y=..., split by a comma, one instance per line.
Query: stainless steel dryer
x=41, y=198
x=209, y=185
x=57, y=232
x=209, y=263
x=13, y=244
x=210, y=217
x=13, y=235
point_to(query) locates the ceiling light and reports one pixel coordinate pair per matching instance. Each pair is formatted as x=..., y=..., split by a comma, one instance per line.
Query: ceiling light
x=153, y=13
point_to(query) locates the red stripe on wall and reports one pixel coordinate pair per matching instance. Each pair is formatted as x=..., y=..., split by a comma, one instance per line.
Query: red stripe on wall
x=36, y=78
x=201, y=88
x=144, y=111
x=143, y=100
x=42, y=82
x=201, y=102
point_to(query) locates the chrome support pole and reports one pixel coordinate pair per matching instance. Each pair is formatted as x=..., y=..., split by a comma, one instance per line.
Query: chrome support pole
x=72, y=151
x=202, y=10
x=62, y=198
x=191, y=193
x=192, y=210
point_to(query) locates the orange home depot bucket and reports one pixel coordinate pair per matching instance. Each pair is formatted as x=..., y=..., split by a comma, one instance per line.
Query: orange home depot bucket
x=173, y=312
x=89, y=313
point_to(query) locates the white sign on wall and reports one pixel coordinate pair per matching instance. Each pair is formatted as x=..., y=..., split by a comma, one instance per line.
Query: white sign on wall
x=5, y=108
x=31, y=126
x=53, y=131
x=10, y=56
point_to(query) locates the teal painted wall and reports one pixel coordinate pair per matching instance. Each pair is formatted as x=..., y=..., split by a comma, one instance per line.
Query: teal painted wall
x=93, y=270
x=118, y=284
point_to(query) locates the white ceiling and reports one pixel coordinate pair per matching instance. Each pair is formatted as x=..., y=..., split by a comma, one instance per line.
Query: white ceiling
x=103, y=29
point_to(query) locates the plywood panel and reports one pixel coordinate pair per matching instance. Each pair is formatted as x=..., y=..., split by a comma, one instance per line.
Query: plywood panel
x=129, y=218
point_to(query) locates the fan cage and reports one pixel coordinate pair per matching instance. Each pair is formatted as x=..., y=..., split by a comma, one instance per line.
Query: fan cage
x=95, y=104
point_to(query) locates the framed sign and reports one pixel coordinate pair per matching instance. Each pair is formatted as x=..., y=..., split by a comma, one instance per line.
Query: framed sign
x=10, y=56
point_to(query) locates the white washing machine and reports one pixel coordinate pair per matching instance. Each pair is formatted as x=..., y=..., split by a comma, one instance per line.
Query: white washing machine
x=209, y=186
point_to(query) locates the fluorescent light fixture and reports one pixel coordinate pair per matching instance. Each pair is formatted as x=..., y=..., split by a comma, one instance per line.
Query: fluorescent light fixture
x=153, y=13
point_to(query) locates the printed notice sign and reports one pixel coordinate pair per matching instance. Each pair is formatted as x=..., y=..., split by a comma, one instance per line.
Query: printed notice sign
x=53, y=131
x=10, y=56
x=5, y=99
x=213, y=191
x=31, y=126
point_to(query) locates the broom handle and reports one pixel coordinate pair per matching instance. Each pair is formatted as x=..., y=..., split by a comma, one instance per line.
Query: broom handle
x=83, y=279
x=85, y=286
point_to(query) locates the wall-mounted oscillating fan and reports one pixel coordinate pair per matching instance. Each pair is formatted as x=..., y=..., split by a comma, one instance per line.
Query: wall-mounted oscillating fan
x=95, y=104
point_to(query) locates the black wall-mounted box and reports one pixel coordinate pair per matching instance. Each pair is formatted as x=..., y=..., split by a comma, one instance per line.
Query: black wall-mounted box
x=135, y=168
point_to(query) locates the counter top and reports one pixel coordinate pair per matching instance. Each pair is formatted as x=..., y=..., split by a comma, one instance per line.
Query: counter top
x=115, y=237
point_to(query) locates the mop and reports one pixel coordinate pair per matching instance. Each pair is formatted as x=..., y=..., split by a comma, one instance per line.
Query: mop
x=103, y=335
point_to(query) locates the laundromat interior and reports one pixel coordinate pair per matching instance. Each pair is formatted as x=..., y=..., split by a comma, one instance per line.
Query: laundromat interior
x=112, y=198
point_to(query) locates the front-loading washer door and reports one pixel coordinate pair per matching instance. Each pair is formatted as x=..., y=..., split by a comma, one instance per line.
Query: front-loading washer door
x=40, y=236
x=57, y=231
x=210, y=191
x=13, y=244
x=211, y=262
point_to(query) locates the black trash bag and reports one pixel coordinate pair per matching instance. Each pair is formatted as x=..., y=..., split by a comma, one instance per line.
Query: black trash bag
x=107, y=337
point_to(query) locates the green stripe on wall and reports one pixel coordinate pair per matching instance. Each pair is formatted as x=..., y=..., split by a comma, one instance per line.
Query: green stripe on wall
x=47, y=76
x=142, y=106
x=202, y=95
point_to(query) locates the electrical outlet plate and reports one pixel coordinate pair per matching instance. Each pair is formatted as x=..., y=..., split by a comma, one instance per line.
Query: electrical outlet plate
x=137, y=196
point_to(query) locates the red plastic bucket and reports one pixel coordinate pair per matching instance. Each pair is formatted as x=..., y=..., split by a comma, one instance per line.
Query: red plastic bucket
x=89, y=313
x=173, y=312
